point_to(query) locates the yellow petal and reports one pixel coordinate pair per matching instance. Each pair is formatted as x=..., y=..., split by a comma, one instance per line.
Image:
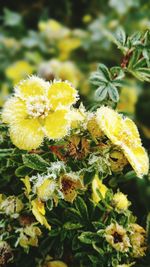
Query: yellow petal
x=56, y=264
x=19, y=70
x=110, y=122
x=61, y=94
x=33, y=86
x=27, y=184
x=98, y=185
x=56, y=124
x=132, y=130
x=38, y=211
x=138, y=159
x=14, y=110
x=26, y=134
x=124, y=133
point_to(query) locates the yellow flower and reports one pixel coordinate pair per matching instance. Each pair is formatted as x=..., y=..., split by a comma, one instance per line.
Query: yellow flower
x=11, y=206
x=126, y=265
x=138, y=240
x=46, y=190
x=117, y=237
x=70, y=72
x=124, y=133
x=120, y=201
x=97, y=185
x=53, y=29
x=67, y=45
x=69, y=186
x=38, y=211
x=93, y=127
x=29, y=236
x=78, y=117
x=56, y=264
x=18, y=71
x=38, y=109
x=55, y=69
x=117, y=160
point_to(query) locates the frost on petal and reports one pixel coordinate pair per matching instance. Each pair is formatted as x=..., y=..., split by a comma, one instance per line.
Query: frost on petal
x=138, y=159
x=110, y=122
x=26, y=134
x=14, y=110
x=124, y=133
x=61, y=94
x=33, y=86
x=56, y=124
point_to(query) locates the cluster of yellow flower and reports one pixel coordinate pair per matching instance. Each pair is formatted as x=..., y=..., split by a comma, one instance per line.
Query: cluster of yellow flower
x=41, y=109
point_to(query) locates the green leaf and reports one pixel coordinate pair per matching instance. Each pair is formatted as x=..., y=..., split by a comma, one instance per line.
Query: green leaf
x=103, y=72
x=121, y=36
x=97, y=79
x=74, y=213
x=72, y=226
x=35, y=162
x=89, y=237
x=82, y=208
x=76, y=243
x=88, y=177
x=98, y=249
x=113, y=93
x=101, y=93
x=4, y=152
x=117, y=73
x=22, y=171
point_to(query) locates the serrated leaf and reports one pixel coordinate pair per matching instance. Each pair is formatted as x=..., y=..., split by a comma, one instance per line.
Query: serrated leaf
x=101, y=93
x=35, y=162
x=113, y=93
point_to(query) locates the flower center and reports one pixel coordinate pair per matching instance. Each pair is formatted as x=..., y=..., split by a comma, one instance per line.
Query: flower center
x=117, y=237
x=67, y=185
x=38, y=106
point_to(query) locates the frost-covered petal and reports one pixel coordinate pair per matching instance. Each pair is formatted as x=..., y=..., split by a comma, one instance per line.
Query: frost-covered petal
x=33, y=86
x=124, y=133
x=61, y=94
x=138, y=159
x=14, y=110
x=57, y=124
x=110, y=122
x=26, y=134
